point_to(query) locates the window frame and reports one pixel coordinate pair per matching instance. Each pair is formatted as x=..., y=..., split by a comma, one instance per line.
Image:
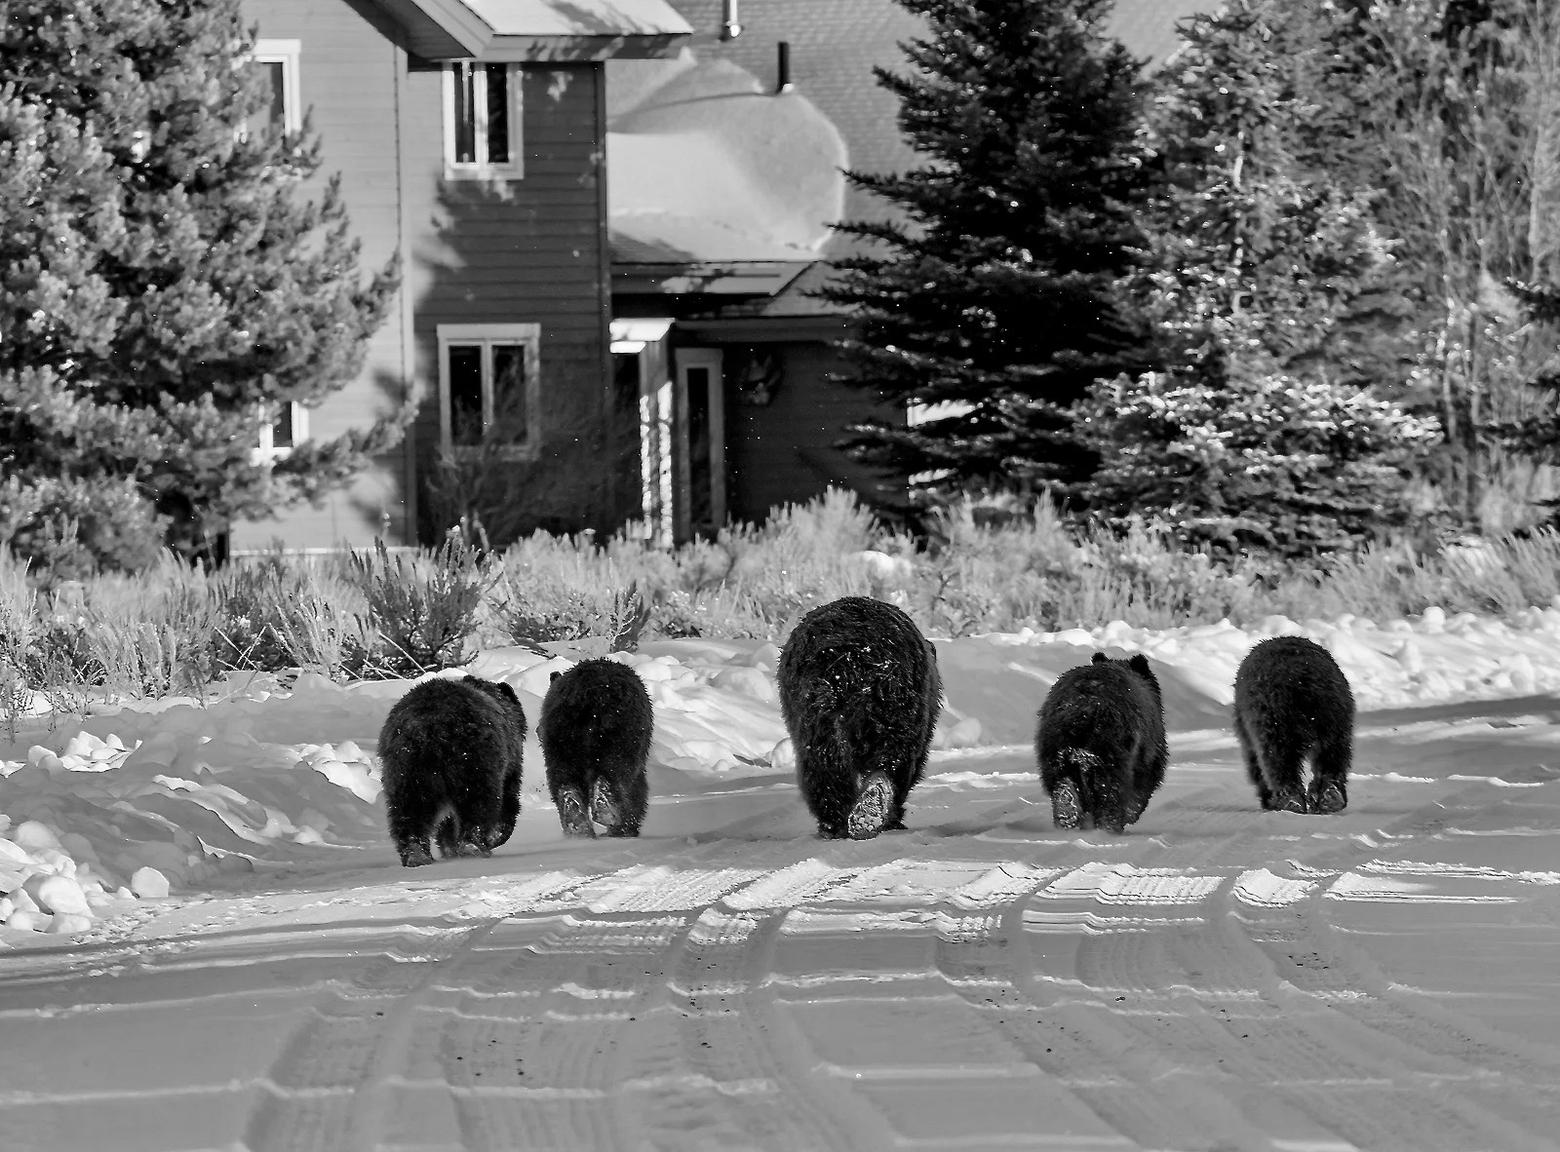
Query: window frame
x=267, y=450
x=288, y=54
x=514, y=167
x=486, y=336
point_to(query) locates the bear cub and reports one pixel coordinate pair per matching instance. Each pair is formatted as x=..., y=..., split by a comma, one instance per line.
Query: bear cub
x=450, y=751
x=595, y=734
x=1293, y=704
x=1100, y=742
x=860, y=695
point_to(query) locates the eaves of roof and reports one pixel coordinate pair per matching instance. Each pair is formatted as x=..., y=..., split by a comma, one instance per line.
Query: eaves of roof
x=523, y=30
x=705, y=277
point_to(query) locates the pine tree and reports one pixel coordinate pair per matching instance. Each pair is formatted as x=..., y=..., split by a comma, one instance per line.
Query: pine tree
x=989, y=303
x=166, y=283
x=1261, y=429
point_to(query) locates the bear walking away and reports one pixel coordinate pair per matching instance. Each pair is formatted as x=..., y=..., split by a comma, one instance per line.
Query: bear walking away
x=1100, y=742
x=595, y=733
x=860, y=695
x=451, y=752
x=1293, y=704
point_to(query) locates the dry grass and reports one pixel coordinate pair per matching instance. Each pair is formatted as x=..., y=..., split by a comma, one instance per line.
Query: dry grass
x=362, y=614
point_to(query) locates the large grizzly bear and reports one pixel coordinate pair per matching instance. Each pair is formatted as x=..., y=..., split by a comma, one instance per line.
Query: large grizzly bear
x=860, y=695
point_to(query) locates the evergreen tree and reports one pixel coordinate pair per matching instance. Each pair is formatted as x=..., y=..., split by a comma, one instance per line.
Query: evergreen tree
x=165, y=283
x=989, y=303
x=1261, y=429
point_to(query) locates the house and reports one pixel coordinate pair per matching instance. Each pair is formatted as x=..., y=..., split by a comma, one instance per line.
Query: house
x=726, y=164
x=470, y=138
x=610, y=216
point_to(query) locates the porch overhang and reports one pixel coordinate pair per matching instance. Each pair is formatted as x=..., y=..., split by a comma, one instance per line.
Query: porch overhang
x=767, y=329
x=707, y=278
x=518, y=31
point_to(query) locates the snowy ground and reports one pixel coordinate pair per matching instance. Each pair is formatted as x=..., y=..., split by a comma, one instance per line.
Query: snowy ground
x=1218, y=978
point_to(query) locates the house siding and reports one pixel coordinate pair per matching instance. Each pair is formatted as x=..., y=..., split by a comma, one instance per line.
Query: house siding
x=347, y=70
x=528, y=250
x=783, y=452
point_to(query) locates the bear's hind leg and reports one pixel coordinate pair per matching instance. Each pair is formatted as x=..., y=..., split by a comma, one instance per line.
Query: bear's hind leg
x=1329, y=791
x=605, y=807
x=1283, y=766
x=475, y=822
x=618, y=807
x=1110, y=806
x=1067, y=804
x=1248, y=753
x=409, y=834
x=415, y=851
x=873, y=808
x=573, y=814
x=509, y=810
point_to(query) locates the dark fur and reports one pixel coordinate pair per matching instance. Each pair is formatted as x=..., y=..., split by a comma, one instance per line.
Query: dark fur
x=451, y=752
x=860, y=695
x=595, y=732
x=1293, y=704
x=1101, y=742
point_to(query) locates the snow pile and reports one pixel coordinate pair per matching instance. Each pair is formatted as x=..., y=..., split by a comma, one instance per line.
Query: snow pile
x=152, y=797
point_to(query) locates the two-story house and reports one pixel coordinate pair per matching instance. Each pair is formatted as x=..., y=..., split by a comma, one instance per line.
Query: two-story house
x=611, y=216
x=470, y=135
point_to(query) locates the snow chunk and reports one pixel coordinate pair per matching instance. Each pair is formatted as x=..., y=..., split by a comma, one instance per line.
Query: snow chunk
x=149, y=884
x=59, y=895
x=35, y=837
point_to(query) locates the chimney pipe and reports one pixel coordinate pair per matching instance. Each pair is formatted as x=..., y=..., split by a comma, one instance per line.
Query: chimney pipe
x=783, y=67
x=730, y=22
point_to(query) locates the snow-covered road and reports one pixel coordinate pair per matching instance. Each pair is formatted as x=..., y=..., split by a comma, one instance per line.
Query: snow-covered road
x=1218, y=978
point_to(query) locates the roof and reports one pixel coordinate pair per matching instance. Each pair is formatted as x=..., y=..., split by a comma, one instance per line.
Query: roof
x=833, y=47
x=518, y=30
x=714, y=169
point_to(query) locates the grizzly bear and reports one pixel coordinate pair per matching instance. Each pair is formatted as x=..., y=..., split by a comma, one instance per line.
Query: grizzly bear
x=1293, y=704
x=1100, y=742
x=860, y=695
x=595, y=734
x=451, y=753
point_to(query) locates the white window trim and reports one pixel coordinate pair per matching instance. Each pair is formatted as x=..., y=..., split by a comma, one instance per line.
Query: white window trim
x=267, y=450
x=481, y=169
x=529, y=335
x=287, y=53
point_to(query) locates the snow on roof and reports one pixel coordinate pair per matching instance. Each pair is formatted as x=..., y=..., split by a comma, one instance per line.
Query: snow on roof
x=537, y=29
x=720, y=124
x=712, y=168
x=579, y=17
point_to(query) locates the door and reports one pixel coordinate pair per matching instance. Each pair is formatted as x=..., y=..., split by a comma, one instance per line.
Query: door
x=699, y=402
x=644, y=388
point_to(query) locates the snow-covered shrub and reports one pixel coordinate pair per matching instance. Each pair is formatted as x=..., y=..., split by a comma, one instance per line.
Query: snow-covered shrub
x=282, y=613
x=424, y=608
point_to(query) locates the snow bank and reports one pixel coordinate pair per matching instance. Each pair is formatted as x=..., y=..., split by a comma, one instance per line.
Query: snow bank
x=148, y=798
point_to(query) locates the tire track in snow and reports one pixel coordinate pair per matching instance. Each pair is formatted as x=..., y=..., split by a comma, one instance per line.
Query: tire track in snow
x=1204, y=997
x=534, y=1052
x=1016, y=963
x=330, y=1087
x=716, y=1068
x=1498, y=1080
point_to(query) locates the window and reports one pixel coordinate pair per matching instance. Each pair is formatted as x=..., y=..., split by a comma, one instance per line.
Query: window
x=482, y=120
x=287, y=430
x=488, y=381
x=278, y=62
